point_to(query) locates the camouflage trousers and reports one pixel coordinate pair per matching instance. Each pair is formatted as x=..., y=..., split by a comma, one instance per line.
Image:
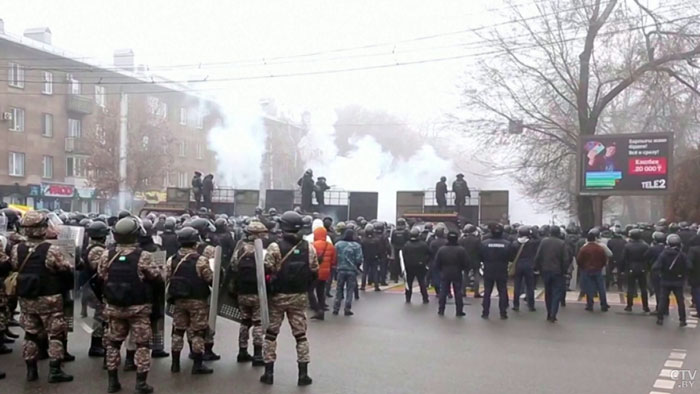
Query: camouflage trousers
x=37, y=325
x=294, y=306
x=4, y=311
x=191, y=316
x=98, y=326
x=121, y=322
x=249, y=306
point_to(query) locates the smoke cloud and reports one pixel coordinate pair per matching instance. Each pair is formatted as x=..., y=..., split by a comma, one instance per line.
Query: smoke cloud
x=367, y=166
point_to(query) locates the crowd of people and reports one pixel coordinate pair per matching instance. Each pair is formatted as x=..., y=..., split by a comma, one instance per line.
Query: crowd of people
x=305, y=255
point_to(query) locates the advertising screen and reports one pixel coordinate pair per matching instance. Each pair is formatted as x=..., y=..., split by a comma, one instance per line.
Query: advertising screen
x=625, y=163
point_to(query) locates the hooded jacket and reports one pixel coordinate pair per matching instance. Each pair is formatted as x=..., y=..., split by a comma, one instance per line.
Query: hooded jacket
x=325, y=252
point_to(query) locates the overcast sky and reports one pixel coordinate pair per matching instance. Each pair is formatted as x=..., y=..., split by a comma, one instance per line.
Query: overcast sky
x=230, y=39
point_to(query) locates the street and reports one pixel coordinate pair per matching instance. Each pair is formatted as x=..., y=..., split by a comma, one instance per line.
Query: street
x=391, y=347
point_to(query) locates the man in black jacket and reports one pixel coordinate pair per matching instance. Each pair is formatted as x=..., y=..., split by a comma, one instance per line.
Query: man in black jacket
x=524, y=249
x=169, y=238
x=616, y=244
x=416, y=257
x=471, y=242
x=651, y=256
x=634, y=265
x=552, y=261
x=371, y=250
x=673, y=266
x=441, y=193
x=435, y=244
x=496, y=253
x=450, y=261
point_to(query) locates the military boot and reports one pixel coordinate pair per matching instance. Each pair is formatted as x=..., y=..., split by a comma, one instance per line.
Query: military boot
x=268, y=376
x=304, y=379
x=175, y=366
x=257, y=356
x=243, y=355
x=113, y=384
x=56, y=375
x=141, y=386
x=198, y=368
x=67, y=357
x=209, y=354
x=96, y=348
x=32, y=371
x=129, y=364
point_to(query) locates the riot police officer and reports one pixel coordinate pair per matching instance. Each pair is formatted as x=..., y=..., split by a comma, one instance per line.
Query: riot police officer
x=673, y=267
x=225, y=240
x=416, y=258
x=399, y=238
x=44, y=275
x=190, y=277
x=634, y=264
x=292, y=261
x=128, y=274
x=471, y=242
x=450, y=261
x=496, y=253
x=244, y=272
x=371, y=250
x=98, y=232
x=169, y=238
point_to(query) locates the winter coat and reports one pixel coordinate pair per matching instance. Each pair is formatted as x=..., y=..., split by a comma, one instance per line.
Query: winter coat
x=325, y=252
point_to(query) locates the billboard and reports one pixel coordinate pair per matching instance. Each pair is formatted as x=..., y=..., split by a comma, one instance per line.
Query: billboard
x=625, y=164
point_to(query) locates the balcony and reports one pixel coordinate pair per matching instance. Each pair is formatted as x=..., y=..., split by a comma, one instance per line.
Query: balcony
x=80, y=104
x=78, y=145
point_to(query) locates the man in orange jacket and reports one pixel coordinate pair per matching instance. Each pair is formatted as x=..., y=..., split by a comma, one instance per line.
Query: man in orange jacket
x=325, y=251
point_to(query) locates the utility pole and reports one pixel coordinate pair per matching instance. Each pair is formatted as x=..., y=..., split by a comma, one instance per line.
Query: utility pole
x=123, y=130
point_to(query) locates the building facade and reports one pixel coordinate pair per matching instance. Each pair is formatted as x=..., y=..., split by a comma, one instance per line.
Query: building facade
x=55, y=108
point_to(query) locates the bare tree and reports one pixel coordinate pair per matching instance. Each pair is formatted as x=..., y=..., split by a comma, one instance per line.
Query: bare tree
x=560, y=73
x=148, y=144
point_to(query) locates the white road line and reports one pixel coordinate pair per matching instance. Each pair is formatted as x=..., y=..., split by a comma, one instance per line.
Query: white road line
x=673, y=364
x=679, y=350
x=664, y=384
x=658, y=392
x=677, y=356
x=666, y=373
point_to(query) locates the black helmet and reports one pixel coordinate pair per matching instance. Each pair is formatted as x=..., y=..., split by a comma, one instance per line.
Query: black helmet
x=452, y=237
x=127, y=230
x=674, y=240
x=508, y=229
x=272, y=212
x=469, y=229
x=258, y=211
x=369, y=229
x=440, y=232
x=203, y=226
x=428, y=227
x=188, y=236
x=594, y=232
x=400, y=222
x=379, y=227
x=85, y=222
x=496, y=230
x=673, y=228
x=147, y=227
x=169, y=224
x=291, y=222
x=220, y=225
x=307, y=221
x=414, y=233
x=122, y=214
x=636, y=234
x=524, y=231
x=555, y=231
x=659, y=237
x=97, y=230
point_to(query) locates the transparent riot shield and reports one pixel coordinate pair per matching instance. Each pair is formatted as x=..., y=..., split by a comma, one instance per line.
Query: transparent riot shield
x=158, y=312
x=262, y=288
x=227, y=300
x=215, y=264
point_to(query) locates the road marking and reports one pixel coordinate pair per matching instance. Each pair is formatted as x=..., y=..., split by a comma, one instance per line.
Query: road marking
x=677, y=356
x=679, y=350
x=673, y=364
x=664, y=384
x=658, y=392
x=666, y=373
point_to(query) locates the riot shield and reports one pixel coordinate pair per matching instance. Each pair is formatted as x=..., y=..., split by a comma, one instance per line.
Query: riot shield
x=68, y=250
x=158, y=312
x=214, y=298
x=403, y=270
x=227, y=301
x=262, y=288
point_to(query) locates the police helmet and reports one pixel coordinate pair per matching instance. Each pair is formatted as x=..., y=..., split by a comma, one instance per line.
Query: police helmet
x=220, y=225
x=440, y=231
x=34, y=219
x=369, y=229
x=496, y=230
x=148, y=229
x=414, y=233
x=659, y=237
x=524, y=231
x=555, y=231
x=188, y=236
x=674, y=241
x=258, y=211
x=169, y=224
x=127, y=230
x=636, y=234
x=307, y=221
x=123, y=214
x=673, y=228
x=203, y=226
x=428, y=227
x=594, y=232
x=97, y=230
x=255, y=227
x=272, y=212
x=470, y=229
x=291, y=222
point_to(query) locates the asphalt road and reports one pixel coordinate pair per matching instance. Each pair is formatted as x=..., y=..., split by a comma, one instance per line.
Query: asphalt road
x=391, y=347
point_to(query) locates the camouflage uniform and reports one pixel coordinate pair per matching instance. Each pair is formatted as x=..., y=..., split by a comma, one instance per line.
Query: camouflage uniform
x=44, y=314
x=93, y=258
x=5, y=267
x=135, y=319
x=190, y=315
x=293, y=305
x=249, y=304
x=208, y=251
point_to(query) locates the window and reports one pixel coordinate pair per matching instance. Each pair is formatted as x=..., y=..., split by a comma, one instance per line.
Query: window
x=17, y=123
x=74, y=87
x=183, y=151
x=76, y=167
x=74, y=128
x=48, y=83
x=200, y=120
x=47, y=125
x=183, y=116
x=199, y=151
x=16, y=164
x=100, y=95
x=47, y=165
x=15, y=76
x=182, y=179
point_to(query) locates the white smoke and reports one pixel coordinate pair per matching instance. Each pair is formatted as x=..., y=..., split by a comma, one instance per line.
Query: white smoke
x=239, y=144
x=367, y=166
